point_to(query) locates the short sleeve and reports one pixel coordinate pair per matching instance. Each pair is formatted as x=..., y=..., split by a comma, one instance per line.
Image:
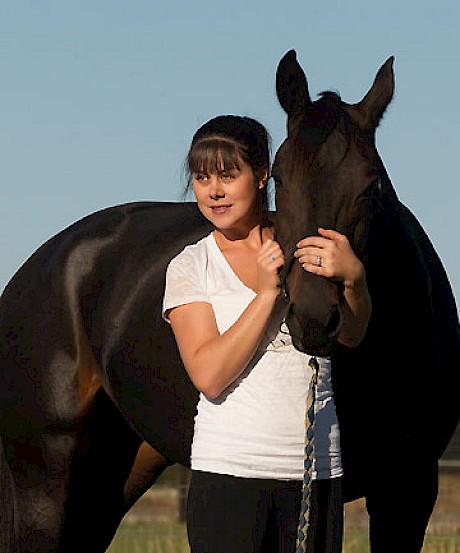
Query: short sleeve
x=185, y=282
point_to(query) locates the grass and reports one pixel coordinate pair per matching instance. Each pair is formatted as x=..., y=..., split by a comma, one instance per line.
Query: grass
x=152, y=526
x=170, y=537
x=145, y=537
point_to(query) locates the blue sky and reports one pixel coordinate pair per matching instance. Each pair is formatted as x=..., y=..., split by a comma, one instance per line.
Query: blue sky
x=99, y=99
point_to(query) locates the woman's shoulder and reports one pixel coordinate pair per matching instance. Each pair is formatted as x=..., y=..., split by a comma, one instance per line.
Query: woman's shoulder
x=193, y=253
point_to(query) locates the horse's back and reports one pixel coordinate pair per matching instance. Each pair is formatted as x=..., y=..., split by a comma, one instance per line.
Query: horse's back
x=85, y=310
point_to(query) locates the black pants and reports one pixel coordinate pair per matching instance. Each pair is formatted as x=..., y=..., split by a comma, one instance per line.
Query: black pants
x=400, y=501
x=226, y=514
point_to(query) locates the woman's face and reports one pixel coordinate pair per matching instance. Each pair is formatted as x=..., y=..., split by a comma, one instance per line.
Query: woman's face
x=228, y=198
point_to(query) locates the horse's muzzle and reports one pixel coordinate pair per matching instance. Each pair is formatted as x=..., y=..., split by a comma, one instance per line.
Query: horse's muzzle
x=314, y=335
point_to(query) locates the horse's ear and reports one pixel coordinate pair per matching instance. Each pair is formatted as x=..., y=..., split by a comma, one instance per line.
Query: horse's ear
x=291, y=85
x=374, y=104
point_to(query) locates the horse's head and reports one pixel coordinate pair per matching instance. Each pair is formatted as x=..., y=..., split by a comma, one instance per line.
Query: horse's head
x=328, y=174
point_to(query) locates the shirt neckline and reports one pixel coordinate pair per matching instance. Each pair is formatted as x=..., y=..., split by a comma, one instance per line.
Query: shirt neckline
x=223, y=261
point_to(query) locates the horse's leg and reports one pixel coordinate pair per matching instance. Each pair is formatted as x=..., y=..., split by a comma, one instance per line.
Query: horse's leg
x=67, y=490
x=9, y=534
x=38, y=462
x=113, y=468
x=106, y=452
x=400, y=501
x=148, y=466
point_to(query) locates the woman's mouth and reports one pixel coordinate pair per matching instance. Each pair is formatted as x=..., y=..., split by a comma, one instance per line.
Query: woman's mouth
x=219, y=209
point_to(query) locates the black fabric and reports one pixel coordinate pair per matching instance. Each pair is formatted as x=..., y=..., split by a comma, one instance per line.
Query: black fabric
x=226, y=514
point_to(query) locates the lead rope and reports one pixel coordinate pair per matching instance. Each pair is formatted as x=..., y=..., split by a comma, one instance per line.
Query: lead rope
x=304, y=518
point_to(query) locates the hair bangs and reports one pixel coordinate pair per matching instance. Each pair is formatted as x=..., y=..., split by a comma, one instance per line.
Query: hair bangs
x=214, y=155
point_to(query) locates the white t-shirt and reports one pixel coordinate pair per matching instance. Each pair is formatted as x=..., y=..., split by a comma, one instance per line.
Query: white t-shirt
x=255, y=428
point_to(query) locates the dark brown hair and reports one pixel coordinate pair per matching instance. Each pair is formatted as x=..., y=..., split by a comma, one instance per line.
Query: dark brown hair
x=220, y=143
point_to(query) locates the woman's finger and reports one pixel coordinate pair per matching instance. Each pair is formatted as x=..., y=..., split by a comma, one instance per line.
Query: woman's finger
x=331, y=234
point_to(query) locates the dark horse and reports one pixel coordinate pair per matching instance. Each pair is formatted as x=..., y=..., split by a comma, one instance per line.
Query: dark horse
x=397, y=392
x=92, y=389
x=94, y=401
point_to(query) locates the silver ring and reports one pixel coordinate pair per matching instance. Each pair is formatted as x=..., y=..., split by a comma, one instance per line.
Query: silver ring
x=272, y=258
x=319, y=261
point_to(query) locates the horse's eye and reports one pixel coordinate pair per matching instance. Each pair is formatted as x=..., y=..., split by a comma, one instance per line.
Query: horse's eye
x=375, y=188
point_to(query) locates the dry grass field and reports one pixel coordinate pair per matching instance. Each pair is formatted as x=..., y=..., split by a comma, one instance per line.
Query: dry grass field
x=153, y=525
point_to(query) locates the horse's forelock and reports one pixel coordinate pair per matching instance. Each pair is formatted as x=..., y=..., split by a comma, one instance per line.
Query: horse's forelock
x=320, y=119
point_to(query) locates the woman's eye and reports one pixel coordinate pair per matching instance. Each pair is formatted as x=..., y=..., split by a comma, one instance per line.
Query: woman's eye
x=200, y=177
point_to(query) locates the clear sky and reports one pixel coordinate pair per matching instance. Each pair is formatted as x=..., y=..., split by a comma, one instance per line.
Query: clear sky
x=99, y=99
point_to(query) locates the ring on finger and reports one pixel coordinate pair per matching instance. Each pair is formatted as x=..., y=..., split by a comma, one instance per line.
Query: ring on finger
x=319, y=261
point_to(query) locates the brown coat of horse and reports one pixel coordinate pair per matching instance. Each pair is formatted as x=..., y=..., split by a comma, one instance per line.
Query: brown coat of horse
x=93, y=396
x=89, y=371
x=397, y=392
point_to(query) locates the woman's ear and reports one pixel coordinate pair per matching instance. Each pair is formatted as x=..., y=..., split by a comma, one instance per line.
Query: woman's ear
x=263, y=180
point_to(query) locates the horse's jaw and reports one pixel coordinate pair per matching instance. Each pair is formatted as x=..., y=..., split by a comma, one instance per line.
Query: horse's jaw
x=314, y=315
x=312, y=335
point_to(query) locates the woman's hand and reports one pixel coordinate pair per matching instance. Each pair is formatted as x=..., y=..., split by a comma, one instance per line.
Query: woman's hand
x=269, y=260
x=212, y=359
x=330, y=255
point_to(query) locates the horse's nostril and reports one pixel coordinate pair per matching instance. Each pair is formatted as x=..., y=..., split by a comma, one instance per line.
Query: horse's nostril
x=333, y=321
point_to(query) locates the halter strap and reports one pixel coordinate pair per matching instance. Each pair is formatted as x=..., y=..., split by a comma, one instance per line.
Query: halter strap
x=304, y=519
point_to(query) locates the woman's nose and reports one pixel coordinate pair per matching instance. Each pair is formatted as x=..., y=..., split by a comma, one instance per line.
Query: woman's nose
x=216, y=189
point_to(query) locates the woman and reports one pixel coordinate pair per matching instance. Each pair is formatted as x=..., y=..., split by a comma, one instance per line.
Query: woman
x=223, y=301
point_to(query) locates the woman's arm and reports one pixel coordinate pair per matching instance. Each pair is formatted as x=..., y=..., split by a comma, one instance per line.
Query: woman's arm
x=214, y=360
x=338, y=262
x=356, y=312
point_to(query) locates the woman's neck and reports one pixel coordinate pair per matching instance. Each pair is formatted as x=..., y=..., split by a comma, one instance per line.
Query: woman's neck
x=252, y=238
